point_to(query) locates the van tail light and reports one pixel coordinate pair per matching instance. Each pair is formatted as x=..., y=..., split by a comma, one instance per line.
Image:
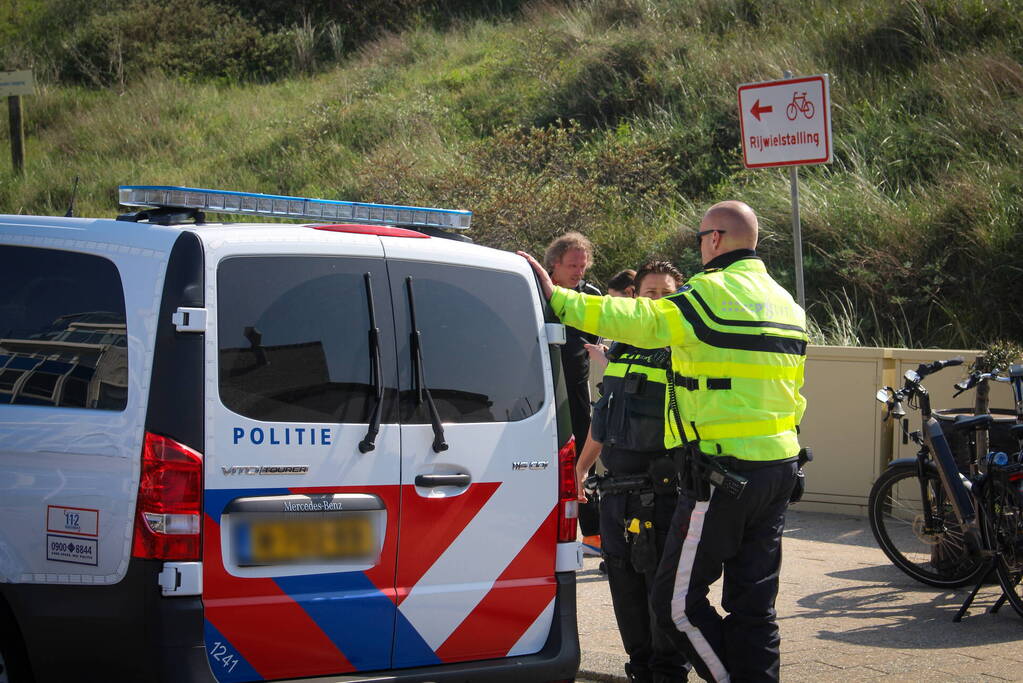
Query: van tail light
x=568, y=494
x=167, y=519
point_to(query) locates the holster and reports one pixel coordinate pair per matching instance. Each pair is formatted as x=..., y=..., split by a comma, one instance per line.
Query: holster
x=800, y=488
x=698, y=471
x=691, y=480
x=640, y=533
x=805, y=456
x=663, y=476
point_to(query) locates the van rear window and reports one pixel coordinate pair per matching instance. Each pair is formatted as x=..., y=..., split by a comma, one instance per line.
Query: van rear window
x=63, y=337
x=293, y=337
x=480, y=343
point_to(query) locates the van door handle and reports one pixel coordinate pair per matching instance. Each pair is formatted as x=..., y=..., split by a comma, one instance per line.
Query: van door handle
x=431, y=480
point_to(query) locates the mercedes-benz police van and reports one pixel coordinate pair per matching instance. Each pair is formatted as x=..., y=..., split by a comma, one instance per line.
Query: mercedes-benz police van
x=326, y=450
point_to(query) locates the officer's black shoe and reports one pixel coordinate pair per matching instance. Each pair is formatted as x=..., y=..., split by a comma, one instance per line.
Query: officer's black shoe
x=636, y=674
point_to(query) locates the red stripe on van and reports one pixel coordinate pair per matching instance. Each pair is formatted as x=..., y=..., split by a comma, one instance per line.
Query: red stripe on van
x=271, y=631
x=515, y=601
x=430, y=525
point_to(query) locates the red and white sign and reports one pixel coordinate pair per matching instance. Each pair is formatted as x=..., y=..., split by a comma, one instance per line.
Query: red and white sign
x=786, y=123
x=77, y=521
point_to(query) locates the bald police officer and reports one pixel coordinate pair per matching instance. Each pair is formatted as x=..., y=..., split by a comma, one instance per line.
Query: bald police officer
x=738, y=347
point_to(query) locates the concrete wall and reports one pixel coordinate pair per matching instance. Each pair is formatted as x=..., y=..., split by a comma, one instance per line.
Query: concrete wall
x=843, y=419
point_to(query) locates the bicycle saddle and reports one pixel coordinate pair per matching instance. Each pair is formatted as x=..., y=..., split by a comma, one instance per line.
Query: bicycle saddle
x=965, y=423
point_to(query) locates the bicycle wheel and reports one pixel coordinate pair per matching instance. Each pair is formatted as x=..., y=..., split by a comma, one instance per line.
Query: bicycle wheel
x=1001, y=507
x=941, y=558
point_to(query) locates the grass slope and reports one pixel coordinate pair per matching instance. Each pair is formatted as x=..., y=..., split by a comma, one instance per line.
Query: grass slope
x=618, y=118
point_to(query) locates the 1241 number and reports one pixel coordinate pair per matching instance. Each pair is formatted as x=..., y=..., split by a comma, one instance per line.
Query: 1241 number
x=220, y=653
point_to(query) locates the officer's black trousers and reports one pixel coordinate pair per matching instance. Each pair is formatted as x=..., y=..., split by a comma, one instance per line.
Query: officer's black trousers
x=653, y=655
x=742, y=539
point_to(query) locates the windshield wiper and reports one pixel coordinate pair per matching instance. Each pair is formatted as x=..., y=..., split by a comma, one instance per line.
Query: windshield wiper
x=419, y=375
x=369, y=442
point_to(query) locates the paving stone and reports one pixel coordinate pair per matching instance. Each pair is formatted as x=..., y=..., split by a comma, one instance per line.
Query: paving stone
x=846, y=614
x=1008, y=670
x=925, y=675
x=811, y=670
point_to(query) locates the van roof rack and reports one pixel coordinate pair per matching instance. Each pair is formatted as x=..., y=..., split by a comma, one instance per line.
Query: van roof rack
x=197, y=200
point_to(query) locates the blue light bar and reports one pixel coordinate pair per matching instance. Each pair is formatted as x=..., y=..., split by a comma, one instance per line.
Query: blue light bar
x=278, y=206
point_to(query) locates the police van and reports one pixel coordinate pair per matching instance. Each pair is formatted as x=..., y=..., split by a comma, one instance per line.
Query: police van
x=333, y=449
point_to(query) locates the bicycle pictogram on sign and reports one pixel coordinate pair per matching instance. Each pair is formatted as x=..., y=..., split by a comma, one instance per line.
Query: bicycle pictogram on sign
x=799, y=104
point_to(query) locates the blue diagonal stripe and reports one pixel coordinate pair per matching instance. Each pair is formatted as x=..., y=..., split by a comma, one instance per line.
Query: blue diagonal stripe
x=409, y=647
x=353, y=613
x=226, y=663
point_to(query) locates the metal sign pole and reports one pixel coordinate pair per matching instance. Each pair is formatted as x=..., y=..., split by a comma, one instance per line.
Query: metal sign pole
x=797, y=234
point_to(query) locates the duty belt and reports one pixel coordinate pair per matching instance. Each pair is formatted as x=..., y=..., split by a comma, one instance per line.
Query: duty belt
x=607, y=484
x=693, y=383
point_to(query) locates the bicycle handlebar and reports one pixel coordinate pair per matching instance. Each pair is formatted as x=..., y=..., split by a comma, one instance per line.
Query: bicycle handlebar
x=975, y=378
x=925, y=369
x=913, y=386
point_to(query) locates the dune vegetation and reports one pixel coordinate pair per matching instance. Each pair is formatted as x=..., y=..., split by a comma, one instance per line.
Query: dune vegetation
x=617, y=118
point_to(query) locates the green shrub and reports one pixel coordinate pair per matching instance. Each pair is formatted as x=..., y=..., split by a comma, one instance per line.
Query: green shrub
x=911, y=32
x=613, y=117
x=608, y=85
x=186, y=37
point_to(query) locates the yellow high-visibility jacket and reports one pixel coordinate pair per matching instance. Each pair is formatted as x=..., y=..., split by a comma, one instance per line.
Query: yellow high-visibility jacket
x=738, y=347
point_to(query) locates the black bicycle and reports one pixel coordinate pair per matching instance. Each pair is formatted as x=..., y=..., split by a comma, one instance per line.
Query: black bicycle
x=942, y=526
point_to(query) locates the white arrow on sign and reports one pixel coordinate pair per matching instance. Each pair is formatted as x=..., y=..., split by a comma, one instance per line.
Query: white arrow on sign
x=786, y=123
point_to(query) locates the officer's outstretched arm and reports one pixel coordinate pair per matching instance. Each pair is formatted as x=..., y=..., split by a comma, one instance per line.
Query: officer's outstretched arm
x=647, y=323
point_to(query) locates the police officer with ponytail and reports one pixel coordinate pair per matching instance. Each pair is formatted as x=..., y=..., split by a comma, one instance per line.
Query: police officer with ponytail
x=738, y=349
x=638, y=493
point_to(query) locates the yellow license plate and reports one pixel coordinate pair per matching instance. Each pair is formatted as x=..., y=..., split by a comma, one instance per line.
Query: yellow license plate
x=304, y=540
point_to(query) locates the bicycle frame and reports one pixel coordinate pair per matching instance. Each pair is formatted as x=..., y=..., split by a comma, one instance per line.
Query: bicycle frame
x=951, y=479
x=934, y=449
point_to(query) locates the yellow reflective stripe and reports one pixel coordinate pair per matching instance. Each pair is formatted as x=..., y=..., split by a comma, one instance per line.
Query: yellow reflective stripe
x=615, y=370
x=742, y=370
x=741, y=430
x=621, y=369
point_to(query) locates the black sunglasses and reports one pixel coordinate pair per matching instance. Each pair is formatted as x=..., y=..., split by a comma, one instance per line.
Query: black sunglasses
x=699, y=235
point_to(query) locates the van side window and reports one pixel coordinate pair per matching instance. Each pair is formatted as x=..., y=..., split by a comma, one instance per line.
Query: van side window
x=63, y=337
x=481, y=354
x=293, y=337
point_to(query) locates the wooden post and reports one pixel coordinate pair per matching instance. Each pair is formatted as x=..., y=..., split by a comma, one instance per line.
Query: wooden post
x=17, y=133
x=982, y=406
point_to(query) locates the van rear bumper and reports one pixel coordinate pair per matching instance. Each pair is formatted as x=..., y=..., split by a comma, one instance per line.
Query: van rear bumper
x=122, y=632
